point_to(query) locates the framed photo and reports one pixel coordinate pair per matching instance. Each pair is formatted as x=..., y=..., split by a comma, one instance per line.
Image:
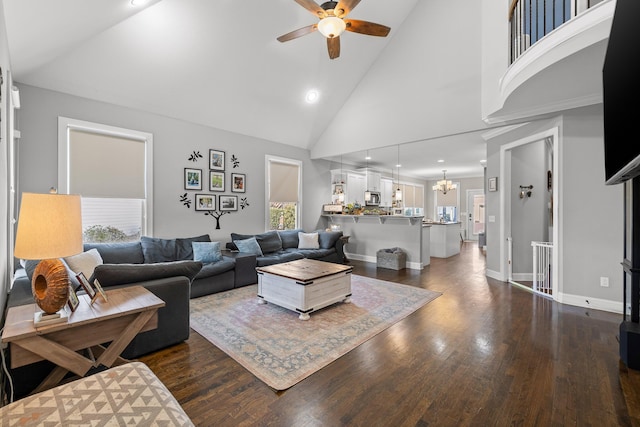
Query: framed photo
x=73, y=301
x=205, y=202
x=216, y=181
x=86, y=285
x=216, y=160
x=238, y=183
x=192, y=179
x=493, y=184
x=100, y=290
x=228, y=203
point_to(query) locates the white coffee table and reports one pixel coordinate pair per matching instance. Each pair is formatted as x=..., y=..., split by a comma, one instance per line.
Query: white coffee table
x=304, y=285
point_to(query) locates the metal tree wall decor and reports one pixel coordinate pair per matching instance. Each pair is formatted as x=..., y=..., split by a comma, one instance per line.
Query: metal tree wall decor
x=216, y=215
x=195, y=156
x=185, y=200
x=235, y=161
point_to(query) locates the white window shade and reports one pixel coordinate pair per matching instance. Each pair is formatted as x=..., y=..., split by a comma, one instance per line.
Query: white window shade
x=283, y=182
x=419, y=197
x=407, y=195
x=106, y=166
x=449, y=199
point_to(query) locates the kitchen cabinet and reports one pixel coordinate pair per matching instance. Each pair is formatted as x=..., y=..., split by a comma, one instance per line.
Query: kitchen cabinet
x=356, y=186
x=386, y=192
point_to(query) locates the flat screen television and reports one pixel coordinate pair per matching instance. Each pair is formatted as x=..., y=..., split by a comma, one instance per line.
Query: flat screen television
x=621, y=94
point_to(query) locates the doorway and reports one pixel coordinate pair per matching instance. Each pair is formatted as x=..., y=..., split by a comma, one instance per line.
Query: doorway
x=475, y=215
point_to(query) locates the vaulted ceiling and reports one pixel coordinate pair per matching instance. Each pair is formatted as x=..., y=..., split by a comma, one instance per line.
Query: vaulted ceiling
x=218, y=63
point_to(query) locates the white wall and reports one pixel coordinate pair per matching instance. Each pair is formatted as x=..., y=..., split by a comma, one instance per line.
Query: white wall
x=174, y=141
x=433, y=81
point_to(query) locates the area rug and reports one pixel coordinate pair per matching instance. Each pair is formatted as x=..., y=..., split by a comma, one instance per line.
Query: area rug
x=280, y=349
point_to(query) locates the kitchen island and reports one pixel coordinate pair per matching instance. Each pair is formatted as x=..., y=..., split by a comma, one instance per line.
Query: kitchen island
x=445, y=238
x=370, y=233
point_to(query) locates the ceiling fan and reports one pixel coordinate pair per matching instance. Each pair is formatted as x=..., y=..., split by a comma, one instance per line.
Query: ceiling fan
x=332, y=23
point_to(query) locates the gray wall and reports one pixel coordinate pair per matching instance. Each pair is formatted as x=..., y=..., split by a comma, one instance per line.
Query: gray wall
x=174, y=141
x=590, y=220
x=5, y=274
x=529, y=214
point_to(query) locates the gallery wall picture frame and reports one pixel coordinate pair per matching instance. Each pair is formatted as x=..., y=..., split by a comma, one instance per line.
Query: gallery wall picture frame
x=192, y=179
x=493, y=183
x=228, y=203
x=205, y=202
x=216, y=160
x=238, y=183
x=216, y=181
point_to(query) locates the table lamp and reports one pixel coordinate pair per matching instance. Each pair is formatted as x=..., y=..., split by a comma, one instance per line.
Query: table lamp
x=49, y=228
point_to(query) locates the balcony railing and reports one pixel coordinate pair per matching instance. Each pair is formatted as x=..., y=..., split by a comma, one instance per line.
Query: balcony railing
x=530, y=20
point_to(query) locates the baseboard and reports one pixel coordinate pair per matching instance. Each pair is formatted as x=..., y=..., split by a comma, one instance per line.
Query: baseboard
x=523, y=277
x=589, y=302
x=494, y=275
x=367, y=258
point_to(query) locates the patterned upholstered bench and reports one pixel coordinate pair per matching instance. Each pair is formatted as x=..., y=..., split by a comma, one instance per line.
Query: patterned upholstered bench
x=129, y=394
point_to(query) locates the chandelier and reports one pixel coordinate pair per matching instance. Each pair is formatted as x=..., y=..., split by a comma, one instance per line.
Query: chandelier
x=444, y=185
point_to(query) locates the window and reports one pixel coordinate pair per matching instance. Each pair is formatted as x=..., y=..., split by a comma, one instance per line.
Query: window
x=284, y=181
x=111, y=169
x=447, y=205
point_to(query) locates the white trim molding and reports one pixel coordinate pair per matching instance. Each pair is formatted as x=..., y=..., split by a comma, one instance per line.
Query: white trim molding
x=590, y=302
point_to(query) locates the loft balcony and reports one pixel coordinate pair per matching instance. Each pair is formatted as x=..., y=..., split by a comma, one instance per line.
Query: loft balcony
x=556, y=53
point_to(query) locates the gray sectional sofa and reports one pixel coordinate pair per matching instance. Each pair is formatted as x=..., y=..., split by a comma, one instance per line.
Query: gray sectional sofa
x=167, y=268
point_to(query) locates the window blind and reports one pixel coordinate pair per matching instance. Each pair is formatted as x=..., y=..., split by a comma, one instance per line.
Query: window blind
x=283, y=182
x=106, y=166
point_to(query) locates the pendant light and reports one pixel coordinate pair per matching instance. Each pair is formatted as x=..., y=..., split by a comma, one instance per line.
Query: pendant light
x=398, y=191
x=367, y=193
x=444, y=185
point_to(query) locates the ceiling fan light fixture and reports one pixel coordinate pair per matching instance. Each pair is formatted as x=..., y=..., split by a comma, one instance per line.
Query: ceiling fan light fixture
x=331, y=26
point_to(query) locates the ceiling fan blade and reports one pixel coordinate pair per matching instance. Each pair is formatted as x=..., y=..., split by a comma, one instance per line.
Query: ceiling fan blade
x=344, y=7
x=333, y=44
x=298, y=33
x=366, y=27
x=312, y=7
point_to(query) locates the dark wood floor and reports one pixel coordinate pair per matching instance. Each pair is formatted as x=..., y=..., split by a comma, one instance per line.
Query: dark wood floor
x=484, y=353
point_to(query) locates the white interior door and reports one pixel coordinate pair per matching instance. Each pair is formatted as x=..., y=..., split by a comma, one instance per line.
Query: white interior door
x=475, y=214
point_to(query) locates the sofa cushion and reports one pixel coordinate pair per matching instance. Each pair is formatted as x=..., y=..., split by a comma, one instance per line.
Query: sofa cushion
x=268, y=241
x=158, y=250
x=117, y=253
x=206, y=252
x=278, y=257
x=184, y=247
x=315, y=253
x=308, y=240
x=328, y=239
x=215, y=268
x=120, y=274
x=84, y=262
x=249, y=245
x=289, y=238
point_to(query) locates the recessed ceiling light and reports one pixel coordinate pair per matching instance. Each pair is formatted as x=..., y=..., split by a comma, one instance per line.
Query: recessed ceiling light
x=367, y=158
x=440, y=161
x=138, y=2
x=483, y=161
x=312, y=96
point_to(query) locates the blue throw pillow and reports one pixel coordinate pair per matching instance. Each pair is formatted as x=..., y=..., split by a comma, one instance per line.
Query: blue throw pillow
x=206, y=251
x=249, y=246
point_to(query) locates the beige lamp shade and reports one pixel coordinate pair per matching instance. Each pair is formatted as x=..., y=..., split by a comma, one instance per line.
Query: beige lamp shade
x=49, y=226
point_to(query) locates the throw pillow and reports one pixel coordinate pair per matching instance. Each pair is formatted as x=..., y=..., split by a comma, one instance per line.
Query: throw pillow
x=206, y=252
x=308, y=241
x=84, y=262
x=249, y=246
